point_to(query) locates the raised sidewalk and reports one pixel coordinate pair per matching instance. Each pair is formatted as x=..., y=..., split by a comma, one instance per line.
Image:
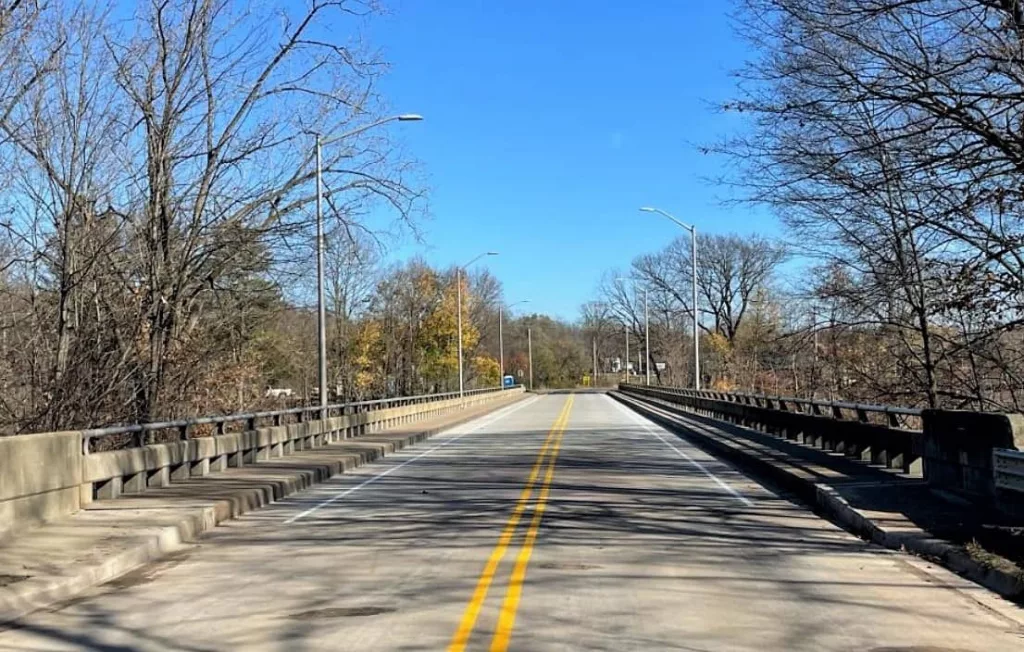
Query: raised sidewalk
x=108, y=538
x=882, y=505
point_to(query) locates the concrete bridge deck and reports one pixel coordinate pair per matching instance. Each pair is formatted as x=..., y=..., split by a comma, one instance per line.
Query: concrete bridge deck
x=563, y=522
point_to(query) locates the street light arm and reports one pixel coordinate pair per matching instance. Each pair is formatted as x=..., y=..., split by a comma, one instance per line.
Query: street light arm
x=686, y=226
x=405, y=117
x=486, y=253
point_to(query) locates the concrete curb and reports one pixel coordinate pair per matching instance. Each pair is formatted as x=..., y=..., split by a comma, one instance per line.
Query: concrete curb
x=833, y=506
x=20, y=599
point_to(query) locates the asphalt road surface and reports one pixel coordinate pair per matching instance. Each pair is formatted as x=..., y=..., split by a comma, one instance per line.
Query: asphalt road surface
x=563, y=522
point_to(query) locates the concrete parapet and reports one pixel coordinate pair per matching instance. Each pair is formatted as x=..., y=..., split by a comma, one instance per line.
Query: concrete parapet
x=110, y=474
x=895, y=448
x=39, y=478
x=44, y=476
x=958, y=448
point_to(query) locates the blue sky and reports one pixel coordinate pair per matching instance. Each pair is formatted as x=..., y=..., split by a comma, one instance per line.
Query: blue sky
x=549, y=123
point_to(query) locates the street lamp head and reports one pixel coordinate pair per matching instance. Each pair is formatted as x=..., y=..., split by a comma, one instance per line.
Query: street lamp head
x=648, y=209
x=410, y=117
x=492, y=253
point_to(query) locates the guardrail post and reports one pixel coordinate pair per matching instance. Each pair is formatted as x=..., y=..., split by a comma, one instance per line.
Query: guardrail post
x=180, y=472
x=200, y=467
x=108, y=490
x=245, y=439
x=894, y=419
x=134, y=483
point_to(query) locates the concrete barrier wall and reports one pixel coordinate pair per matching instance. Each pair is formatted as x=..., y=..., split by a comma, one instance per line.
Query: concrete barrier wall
x=892, y=447
x=953, y=451
x=40, y=477
x=958, y=448
x=45, y=476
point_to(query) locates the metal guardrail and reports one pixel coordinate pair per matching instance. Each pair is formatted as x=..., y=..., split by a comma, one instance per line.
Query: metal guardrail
x=893, y=416
x=1008, y=468
x=873, y=434
x=181, y=429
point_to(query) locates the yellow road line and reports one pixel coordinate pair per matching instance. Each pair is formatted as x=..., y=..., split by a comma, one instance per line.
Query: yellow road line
x=507, y=617
x=476, y=602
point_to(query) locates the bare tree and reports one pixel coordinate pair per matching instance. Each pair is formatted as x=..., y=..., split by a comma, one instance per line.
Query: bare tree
x=220, y=164
x=160, y=184
x=886, y=133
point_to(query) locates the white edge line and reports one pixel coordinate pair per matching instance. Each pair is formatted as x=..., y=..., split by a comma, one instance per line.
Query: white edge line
x=500, y=415
x=640, y=420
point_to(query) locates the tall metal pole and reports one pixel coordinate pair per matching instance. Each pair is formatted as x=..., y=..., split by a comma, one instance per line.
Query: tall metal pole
x=696, y=331
x=627, y=353
x=696, y=325
x=458, y=285
x=647, y=339
x=529, y=348
x=595, y=362
x=321, y=309
x=501, y=350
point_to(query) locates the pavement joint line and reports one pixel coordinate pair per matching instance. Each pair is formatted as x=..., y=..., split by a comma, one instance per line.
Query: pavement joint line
x=351, y=490
x=507, y=616
x=475, y=604
x=640, y=421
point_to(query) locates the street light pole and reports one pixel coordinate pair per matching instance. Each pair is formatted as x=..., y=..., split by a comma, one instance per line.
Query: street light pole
x=458, y=283
x=647, y=339
x=629, y=301
x=501, y=338
x=321, y=308
x=696, y=326
x=458, y=289
x=529, y=348
x=626, y=328
x=696, y=331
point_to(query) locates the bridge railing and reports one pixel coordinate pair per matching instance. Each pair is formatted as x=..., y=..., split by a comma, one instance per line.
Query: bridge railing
x=44, y=476
x=977, y=454
x=904, y=418
x=879, y=434
x=1009, y=469
x=143, y=434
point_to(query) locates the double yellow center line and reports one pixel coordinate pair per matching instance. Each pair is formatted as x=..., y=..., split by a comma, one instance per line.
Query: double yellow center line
x=506, y=619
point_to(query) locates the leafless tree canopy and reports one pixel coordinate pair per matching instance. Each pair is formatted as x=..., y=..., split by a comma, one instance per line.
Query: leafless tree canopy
x=736, y=275
x=887, y=135
x=158, y=181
